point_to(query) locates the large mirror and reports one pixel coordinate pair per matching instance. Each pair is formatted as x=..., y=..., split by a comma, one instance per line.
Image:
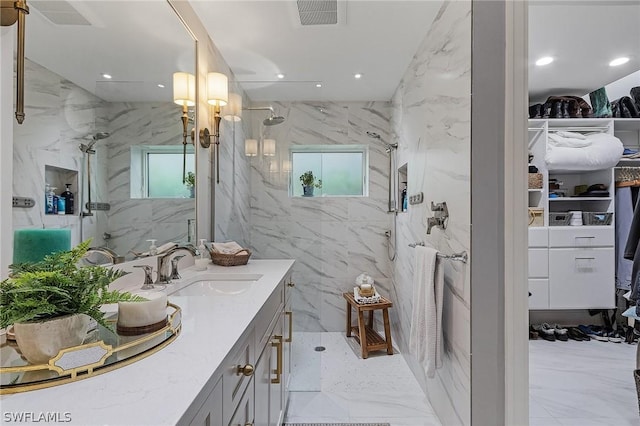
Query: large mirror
x=100, y=118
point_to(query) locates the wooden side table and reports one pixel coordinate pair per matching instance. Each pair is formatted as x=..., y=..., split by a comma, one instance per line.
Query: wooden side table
x=368, y=338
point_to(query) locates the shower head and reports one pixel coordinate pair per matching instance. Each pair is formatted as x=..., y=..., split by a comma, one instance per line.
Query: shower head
x=273, y=119
x=101, y=135
x=373, y=135
x=391, y=147
x=94, y=138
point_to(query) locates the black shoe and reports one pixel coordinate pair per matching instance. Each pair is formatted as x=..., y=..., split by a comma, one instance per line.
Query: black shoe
x=574, y=333
x=560, y=332
x=545, y=331
x=533, y=335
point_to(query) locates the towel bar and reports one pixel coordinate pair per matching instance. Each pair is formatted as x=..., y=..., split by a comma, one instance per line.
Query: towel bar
x=461, y=257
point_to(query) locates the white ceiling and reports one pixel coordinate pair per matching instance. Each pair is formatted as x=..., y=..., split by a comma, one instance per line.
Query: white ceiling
x=143, y=43
x=583, y=37
x=260, y=39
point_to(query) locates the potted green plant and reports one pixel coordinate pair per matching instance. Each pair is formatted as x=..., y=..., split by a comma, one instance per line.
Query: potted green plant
x=309, y=183
x=51, y=302
x=190, y=182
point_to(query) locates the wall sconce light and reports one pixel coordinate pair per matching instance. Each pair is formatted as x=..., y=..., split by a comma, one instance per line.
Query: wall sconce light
x=273, y=167
x=251, y=147
x=269, y=147
x=218, y=96
x=184, y=94
x=233, y=110
x=286, y=166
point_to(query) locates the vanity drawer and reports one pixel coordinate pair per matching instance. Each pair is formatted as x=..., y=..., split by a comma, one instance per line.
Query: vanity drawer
x=268, y=314
x=582, y=236
x=538, y=263
x=539, y=236
x=234, y=382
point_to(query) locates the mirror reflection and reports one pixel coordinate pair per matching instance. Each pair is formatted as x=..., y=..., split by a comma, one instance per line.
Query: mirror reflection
x=102, y=131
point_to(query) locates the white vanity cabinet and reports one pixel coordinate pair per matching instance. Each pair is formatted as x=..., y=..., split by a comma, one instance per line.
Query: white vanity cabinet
x=250, y=387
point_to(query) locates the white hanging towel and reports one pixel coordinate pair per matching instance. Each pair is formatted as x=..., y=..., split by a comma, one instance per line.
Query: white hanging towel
x=425, y=338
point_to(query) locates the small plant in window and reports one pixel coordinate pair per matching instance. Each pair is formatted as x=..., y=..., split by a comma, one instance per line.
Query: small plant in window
x=190, y=183
x=309, y=182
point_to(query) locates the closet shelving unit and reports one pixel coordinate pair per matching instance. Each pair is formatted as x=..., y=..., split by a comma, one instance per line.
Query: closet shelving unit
x=571, y=267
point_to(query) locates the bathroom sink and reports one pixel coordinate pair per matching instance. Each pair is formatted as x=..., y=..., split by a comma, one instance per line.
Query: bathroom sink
x=218, y=285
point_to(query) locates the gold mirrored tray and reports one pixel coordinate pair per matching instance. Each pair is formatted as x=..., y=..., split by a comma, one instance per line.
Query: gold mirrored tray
x=102, y=351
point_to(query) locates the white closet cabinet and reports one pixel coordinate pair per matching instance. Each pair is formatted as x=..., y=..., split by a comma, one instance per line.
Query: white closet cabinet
x=570, y=267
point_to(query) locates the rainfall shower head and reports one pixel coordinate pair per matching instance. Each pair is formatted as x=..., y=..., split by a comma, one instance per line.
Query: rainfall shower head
x=101, y=135
x=273, y=119
x=389, y=147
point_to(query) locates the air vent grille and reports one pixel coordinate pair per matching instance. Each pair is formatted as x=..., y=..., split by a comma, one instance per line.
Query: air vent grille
x=318, y=12
x=59, y=12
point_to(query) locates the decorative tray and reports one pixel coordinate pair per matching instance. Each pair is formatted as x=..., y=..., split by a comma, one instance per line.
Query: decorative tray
x=102, y=351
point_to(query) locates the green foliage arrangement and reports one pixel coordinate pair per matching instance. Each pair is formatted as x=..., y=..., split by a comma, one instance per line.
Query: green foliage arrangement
x=308, y=179
x=56, y=286
x=190, y=180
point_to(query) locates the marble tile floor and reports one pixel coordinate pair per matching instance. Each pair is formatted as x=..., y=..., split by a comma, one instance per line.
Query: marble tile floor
x=582, y=383
x=337, y=386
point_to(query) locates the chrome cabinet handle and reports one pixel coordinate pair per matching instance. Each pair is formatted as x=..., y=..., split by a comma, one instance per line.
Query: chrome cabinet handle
x=247, y=370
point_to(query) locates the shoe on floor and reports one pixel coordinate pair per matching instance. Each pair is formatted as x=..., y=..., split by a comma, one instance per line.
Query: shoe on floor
x=533, y=335
x=574, y=333
x=613, y=336
x=560, y=332
x=594, y=331
x=545, y=331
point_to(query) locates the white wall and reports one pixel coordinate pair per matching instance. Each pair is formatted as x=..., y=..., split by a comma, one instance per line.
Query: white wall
x=431, y=122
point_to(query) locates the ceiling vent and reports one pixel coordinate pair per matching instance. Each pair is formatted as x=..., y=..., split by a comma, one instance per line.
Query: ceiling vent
x=318, y=12
x=59, y=12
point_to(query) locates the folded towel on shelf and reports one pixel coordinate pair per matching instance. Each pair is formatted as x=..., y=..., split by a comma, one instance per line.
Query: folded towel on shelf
x=365, y=300
x=230, y=247
x=573, y=135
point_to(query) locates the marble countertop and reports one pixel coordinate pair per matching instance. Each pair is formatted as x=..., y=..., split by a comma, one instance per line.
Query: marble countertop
x=159, y=389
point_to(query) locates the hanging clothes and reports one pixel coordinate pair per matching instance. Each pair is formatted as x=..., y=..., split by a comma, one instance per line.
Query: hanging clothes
x=631, y=252
x=624, y=217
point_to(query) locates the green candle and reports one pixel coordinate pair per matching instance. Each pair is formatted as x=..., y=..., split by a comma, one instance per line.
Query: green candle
x=32, y=245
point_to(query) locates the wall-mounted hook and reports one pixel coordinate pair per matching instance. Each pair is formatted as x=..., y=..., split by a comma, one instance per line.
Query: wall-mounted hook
x=440, y=216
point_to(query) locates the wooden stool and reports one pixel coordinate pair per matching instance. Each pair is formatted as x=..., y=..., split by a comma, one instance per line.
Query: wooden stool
x=368, y=338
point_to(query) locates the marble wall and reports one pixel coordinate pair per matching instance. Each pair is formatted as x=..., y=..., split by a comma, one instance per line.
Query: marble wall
x=131, y=221
x=431, y=121
x=333, y=239
x=62, y=116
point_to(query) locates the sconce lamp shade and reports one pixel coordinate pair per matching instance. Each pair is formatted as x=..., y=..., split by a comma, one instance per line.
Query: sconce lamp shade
x=184, y=89
x=217, y=89
x=273, y=167
x=269, y=148
x=251, y=147
x=233, y=110
x=286, y=166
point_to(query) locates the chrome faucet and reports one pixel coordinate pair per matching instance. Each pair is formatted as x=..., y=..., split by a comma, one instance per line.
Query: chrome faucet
x=164, y=258
x=106, y=252
x=174, y=267
x=148, y=280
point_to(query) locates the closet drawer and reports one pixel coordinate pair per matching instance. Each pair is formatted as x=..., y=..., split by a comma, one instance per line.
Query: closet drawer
x=581, y=278
x=538, y=263
x=539, y=290
x=582, y=236
x=539, y=236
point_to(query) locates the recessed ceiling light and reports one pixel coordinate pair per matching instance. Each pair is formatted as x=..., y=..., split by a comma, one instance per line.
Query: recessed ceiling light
x=318, y=85
x=357, y=75
x=280, y=76
x=161, y=86
x=107, y=76
x=544, y=61
x=618, y=61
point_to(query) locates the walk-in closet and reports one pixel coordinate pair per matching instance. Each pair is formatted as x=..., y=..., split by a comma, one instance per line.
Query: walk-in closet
x=583, y=188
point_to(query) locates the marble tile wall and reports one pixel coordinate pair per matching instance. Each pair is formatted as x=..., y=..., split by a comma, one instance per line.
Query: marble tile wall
x=60, y=116
x=333, y=239
x=431, y=122
x=132, y=221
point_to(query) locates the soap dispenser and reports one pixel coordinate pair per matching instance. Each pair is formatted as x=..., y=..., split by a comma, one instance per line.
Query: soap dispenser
x=68, y=199
x=153, y=250
x=202, y=248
